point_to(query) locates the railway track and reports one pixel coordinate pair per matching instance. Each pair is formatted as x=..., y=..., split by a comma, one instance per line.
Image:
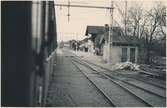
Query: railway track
x=152, y=75
x=116, y=94
x=141, y=79
x=146, y=81
x=113, y=104
x=148, y=97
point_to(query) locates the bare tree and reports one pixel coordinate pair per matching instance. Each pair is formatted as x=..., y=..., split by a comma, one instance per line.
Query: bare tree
x=123, y=11
x=147, y=25
x=161, y=9
x=132, y=18
x=136, y=15
x=155, y=24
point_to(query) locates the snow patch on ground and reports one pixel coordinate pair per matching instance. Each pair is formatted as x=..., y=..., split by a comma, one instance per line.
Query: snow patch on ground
x=126, y=66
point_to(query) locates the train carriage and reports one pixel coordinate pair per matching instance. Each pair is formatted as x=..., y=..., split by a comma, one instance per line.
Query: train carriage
x=29, y=41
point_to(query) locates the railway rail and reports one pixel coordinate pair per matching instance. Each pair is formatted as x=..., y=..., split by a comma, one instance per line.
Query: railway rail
x=114, y=102
x=161, y=94
x=146, y=80
x=150, y=98
x=152, y=75
x=143, y=79
x=100, y=90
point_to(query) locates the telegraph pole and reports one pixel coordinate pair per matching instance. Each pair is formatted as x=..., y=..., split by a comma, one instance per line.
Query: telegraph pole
x=125, y=17
x=109, y=34
x=68, y=14
x=76, y=42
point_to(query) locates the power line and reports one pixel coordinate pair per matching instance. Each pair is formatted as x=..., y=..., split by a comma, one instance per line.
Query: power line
x=84, y=6
x=69, y=5
x=79, y=2
x=73, y=5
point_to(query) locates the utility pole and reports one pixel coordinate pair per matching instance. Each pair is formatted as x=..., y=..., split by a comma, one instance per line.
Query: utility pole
x=76, y=42
x=109, y=34
x=68, y=14
x=125, y=17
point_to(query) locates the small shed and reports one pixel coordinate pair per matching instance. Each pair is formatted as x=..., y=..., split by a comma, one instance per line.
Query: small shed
x=122, y=48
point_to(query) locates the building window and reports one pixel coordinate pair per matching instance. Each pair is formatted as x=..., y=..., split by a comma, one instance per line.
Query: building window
x=132, y=55
x=124, y=55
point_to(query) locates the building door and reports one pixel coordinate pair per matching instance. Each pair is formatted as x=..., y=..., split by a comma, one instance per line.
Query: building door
x=124, y=55
x=132, y=55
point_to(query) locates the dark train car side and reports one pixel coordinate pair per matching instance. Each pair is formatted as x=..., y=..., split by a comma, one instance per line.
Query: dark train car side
x=28, y=42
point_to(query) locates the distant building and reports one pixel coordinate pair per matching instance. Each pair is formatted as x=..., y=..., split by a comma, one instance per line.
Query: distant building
x=73, y=44
x=83, y=45
x=122, y=48
x=94, y=32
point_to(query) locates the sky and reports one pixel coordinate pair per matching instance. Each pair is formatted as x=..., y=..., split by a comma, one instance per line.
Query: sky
x=75, y=28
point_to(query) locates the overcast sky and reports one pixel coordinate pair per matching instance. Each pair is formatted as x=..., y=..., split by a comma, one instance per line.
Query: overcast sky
x=81, y=17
